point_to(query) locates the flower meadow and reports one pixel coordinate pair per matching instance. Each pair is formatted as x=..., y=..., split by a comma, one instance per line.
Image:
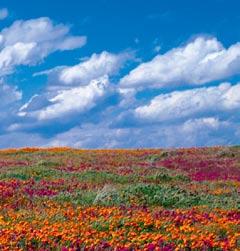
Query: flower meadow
x=144, y=199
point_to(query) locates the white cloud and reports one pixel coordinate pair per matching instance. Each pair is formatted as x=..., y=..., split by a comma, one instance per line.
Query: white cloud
x=28, y=42
x=41, y=31
x=204, y=131
x=78, y=87
x=10, y=97
x=190, y=103
x=3, y=13
x=198, y=62
x=193, y=124
x=72, y=91
x=90, y=136
x=128, y=97
x=200, y=116
x=15, y=55
x=21, y=139
x=94, y=67
x=77, y=100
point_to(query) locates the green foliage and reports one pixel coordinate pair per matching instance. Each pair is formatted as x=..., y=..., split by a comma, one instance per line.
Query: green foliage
x=98, y=177
x=40, y=171
x=101, y=225
x=163, y=175
x=158, y=195
x=159, y=156
x=83, y=198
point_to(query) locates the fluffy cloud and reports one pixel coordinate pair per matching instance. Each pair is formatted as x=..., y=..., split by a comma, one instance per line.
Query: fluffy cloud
x=97, y=65
x=74, y=100
x=18, y=139
x=15, y=55
x=191, y=103
x=94, y=67
x=10, y=97
x=198, y=62
x=91, y=136
x=84, y=102
x=204, y=131
x=78, y=87
x=3, y=13
x=28, y=42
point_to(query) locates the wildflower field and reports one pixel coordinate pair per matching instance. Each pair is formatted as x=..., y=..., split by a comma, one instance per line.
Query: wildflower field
x=149, y=199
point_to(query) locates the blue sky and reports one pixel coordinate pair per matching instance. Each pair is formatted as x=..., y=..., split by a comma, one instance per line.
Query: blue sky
x=116, y=74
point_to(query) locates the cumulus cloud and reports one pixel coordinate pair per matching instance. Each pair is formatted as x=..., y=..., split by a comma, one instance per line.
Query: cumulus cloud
x=78, y=100
x=191, y=103
x=91, y=136
x=210, y=122
x=94, y=67
x=204, y=131
x=198, y=62
x=18, y=139
x=28, y=42
x=15, y=55
x=3, y=13
x=92, y=111
x=10, y=97
x=79, y=88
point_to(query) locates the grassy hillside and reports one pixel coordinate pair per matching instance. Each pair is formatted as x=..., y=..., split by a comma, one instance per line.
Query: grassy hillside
x=68, y=199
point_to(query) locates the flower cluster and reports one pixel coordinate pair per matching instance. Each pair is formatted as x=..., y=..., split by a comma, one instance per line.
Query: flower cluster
x=119, y=228
x=149, y=199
